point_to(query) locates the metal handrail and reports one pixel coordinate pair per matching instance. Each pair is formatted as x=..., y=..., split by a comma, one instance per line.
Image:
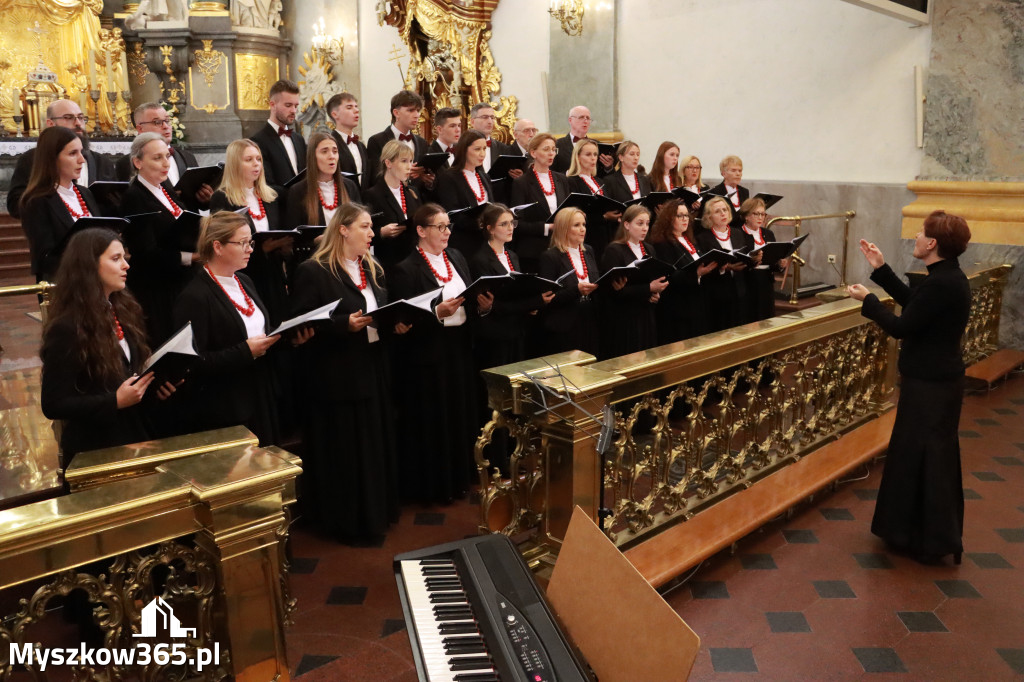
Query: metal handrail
x=797, y=260
x=25, y=289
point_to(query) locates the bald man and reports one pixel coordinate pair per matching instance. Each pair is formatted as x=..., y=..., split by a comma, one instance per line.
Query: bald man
x=523, y=131
x=67, y=114
x=579, y=126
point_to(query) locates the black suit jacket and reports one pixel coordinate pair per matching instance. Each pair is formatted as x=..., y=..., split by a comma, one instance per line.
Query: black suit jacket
x=508, y=320
x=183, y=160
x=375, y=145
x=229, y=386
x=616, y=187
x=347, y=163
x=342, y=362
x=563, y=312
x=276, y=166
x=563, y=160
x=390, y=250
x=530, y=240
x=87, y=407
x=295, y=213
x=100, y=168
x=436, y=148
x=452, y=191
x=744, y=193
x=47, y=223
x=724, y=292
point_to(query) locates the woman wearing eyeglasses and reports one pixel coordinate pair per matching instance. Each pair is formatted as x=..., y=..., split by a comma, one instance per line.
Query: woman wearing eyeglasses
x=543, y=186
x=680, y=312
x=436, y=392
x=160, y=267
x=760, y=299
x=350, y=485
x=53, y=201
x=244, y=185
x=724, y=287
x=232, y=385
x=465, y=185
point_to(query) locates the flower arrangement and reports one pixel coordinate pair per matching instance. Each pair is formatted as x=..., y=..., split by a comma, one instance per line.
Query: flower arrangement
x=177, y=127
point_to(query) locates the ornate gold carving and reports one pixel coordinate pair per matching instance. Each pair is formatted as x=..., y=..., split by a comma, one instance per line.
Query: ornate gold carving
x=254, y=73
x=515, y=504
x=994, y=210
x=450, y=61
x=208, y=61
x=569, y=14
x=137, y=64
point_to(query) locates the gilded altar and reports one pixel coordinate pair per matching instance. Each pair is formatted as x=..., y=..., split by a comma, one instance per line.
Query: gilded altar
x=450, y=60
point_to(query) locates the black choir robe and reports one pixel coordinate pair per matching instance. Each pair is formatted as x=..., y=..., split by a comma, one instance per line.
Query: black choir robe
x=47, y=223
x=268, y=271
x=277, y=168
x=563, y=160
x=295, y=211
x=157, y=275
x=500, y=336
x=436, y=148
x=724, y=292
x=87, y=407
x=229, y=386
x=452, y=191
x=346, y=162
x=390, y=250
x=600, y=230
x=569, y=321
x=760, y=283
x=627, y=315
x=435, y=393
x=348, y=420
x=529, y=239
x=100, y=168
x=681, y=312
x=183, y=159
x=616, y=187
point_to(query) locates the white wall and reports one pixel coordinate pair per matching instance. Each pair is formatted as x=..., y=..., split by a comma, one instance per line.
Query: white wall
x=519, y=46
x=812, y=90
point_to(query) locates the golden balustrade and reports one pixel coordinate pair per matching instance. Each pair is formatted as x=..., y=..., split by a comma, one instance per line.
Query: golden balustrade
x=694, y=422
x=204, y=532
x=797, y=221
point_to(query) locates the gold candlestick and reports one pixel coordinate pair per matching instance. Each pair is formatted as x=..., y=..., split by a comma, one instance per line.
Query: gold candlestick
x=94, y=95
x=115, y=130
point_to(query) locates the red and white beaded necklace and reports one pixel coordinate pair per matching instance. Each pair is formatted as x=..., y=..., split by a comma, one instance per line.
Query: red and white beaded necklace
x=481, y=196
x=551, y=182
x=758, y=237
x=175, y=209
x=117, y=326
x=250, y=306
x=437, y=275
x=362, y=274
x=687, y=245
x=323, y=203
x=583, y=261
x=508, y=259
x=81, y=203
x=592, y=184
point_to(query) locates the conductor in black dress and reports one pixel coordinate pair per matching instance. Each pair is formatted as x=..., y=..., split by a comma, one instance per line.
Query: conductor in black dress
x=283, y=149
x=920, y=508
x=53, y=201
x=353, y=158
x=542, y=186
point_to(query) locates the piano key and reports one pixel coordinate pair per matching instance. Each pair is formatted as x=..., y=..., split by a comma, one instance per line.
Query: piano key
x=470, y=663
x=454, y=628
x=476, y=677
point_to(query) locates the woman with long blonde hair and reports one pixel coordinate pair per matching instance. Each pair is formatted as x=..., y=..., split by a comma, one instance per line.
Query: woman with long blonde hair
x=349, y=428
x=569, y=321
x=244, y=185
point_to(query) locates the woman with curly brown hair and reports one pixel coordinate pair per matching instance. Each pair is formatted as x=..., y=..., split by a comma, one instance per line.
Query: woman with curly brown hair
x=94, y=344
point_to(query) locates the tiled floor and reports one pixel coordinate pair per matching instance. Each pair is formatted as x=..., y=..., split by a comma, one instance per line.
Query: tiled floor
x=814, y=597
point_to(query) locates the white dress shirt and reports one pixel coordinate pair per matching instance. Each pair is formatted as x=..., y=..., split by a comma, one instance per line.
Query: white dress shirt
x=289, y=146
x=451, y=288
x=158, y=192
x=352, y=269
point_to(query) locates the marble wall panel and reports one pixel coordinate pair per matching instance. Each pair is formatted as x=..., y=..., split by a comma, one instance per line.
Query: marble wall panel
x=582, y=70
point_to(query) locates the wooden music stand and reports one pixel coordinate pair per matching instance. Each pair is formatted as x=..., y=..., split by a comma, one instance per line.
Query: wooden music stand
x=620, y=623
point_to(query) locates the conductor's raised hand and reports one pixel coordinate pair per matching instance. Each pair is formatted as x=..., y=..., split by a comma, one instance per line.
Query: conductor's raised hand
x=131, y=391
x=872, y=253
x=857, y=291
x=258, y=345
x=357, y=321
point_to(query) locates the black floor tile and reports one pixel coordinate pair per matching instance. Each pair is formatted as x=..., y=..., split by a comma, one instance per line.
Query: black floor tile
x=428, y=519
x=1010, y=461
x=987, y=476
x=986, y=422
x=1014, y=658
x=733, y=661
x=800, y=537
x=957, y=589
x=970, y=434
x=1011, y=534
x=391, y=626
x=988, y=560
x=866, y=493
x=879, y=660
x=834, y=589
x=303, y=565
x=310, y=662
x=787, y=621
x=970, y=494
x=709, y=589
x=344, y=595
x=1004, y=410
x=837, y=514
x=922, y=621
x=873, y=560
x=757, y=562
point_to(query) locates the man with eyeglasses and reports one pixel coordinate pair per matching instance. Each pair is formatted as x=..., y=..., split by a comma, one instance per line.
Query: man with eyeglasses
x=151, y=117
x=67, y=114
x=579, y=126
x=523, y=131
x=482, y=119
